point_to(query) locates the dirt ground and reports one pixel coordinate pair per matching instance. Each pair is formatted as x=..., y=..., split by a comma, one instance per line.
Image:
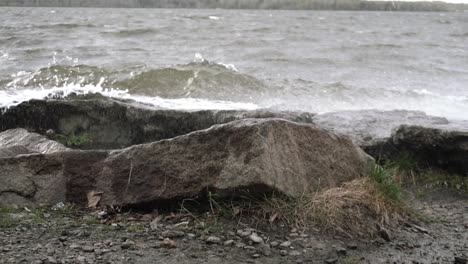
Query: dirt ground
x=71, y=236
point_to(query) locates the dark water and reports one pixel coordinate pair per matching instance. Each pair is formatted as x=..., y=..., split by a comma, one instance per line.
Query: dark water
x=195, y=59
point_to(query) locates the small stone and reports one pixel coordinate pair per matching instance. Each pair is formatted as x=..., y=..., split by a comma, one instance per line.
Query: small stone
x=331, y=261
x=294, y=253
x=88, y=249
x=63, y=238
x=265, y=249
x=460, y=260
x=285, y=244
x=341, y=251
x=172, y=234
x=352, y=246
x=294, y=235
x=249, y=248
x=243, y=233
x=385, y=234
x=256, y=238
x=191, y=235
x=168, y=243
x=127, y=244
x=283, y=252
x=75, y=246
x=213, y=240
x=255, y=255
x=274, y=244
x=51, y=260
x=228, y=243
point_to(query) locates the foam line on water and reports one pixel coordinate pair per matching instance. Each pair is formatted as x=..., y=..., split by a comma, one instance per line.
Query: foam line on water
x=12, y=97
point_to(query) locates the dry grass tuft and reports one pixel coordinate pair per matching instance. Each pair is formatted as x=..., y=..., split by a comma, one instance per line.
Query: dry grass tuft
x=356, y=207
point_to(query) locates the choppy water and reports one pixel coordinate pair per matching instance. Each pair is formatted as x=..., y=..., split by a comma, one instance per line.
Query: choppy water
x=230, y=59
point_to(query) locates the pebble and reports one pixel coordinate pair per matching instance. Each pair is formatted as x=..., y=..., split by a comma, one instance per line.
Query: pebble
x=331, y=261
x=283, y=252
x=294, y=253
x=256, y=238
x=88, y=249
x=243, y=233
x=229, y=243
x=213, y=240
x=255, y=255
x=264, y=249
x=341, y=251
x=285, y=244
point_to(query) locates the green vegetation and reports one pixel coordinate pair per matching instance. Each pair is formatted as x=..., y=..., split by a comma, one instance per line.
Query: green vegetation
x=249, y=4
x=73, y=140
x=385, y=179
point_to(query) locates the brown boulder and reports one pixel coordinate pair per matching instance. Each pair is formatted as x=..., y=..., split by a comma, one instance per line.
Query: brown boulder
x=252, y=154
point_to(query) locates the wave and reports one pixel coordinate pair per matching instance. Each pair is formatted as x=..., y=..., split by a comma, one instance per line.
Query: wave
x=200, y=78
x=9, y=98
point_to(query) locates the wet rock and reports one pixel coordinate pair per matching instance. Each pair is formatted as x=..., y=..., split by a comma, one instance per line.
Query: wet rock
x=261, y=154
x=433, y=141
x=108, y=123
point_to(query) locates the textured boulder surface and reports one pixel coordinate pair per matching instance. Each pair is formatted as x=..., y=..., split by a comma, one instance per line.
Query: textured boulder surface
x=22, y=140
x=443, y=148
x=105, y=123
x=263, y=155
x=432, y=141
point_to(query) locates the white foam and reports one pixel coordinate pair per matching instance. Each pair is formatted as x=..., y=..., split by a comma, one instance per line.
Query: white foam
x=214, y=17
x=12, y=97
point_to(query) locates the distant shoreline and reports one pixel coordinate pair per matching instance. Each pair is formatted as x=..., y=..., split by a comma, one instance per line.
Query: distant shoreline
x=338, y=5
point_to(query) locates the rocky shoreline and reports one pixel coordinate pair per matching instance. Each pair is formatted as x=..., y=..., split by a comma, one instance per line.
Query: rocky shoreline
x=114, y=156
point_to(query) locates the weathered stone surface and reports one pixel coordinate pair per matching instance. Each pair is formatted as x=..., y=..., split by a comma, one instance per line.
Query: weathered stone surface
x=251, y=154
x=27, y=142
x=432, y=141
x=111, y=124
x=438, y=147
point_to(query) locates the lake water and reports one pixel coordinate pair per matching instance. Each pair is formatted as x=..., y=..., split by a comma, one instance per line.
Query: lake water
x=312, y=61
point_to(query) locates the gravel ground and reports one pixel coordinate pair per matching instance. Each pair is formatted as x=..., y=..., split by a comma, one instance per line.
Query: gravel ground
x=72, y=236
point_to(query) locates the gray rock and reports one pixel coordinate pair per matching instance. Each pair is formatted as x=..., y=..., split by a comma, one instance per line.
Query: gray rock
x=255, y=238
x=294, y=253
x=265, y=154
x=283, y=252
x=111, y=123
x=228, y=243
x=285, y=244
x=213, y=240
x=264, y=249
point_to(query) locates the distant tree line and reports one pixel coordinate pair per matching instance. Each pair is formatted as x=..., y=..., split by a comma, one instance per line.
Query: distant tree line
x=248, y=4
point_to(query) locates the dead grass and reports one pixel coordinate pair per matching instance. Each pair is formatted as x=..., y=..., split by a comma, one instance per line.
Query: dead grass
x=355, y=207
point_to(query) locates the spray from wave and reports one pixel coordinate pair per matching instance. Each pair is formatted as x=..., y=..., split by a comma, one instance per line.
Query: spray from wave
x=200, y=84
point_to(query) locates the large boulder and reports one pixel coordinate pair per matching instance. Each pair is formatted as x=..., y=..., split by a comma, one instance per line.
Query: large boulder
x=95, y=122
x=442, y=148
x=386, y=135
x=21, y=140
x=263, y=155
